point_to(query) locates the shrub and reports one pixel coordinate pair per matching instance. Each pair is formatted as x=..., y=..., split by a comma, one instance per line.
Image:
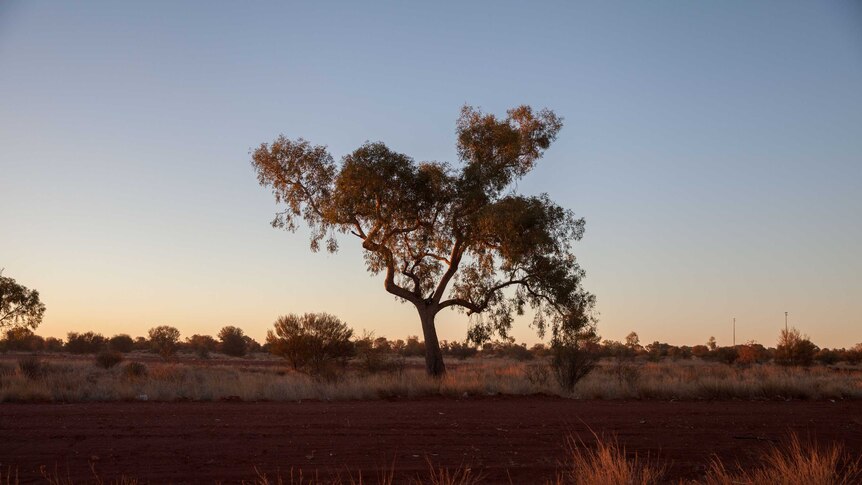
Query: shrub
x=108, y=358
x=232, y=341
x=135, y=370
x=31, y=367
x=374, y=357
x=459, y=350
x=23, y=339
x=202, y=345
x=121, y=343
x=84, y=343
x=413, y=347
x=571, y=361
x=827, y=356
x=312, y=342
x=164, y=340
x=53, y=344
x=794, y=349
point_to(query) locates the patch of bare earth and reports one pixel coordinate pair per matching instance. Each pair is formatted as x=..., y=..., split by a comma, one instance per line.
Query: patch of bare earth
x=517, y=438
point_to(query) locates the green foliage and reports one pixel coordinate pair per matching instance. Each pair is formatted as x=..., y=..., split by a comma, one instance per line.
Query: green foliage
x=313, y=342
x=19, y=306
x=445, y=236
x=121, y=343
x=108, y=358
x=163, y=340
x=232, y=341
x=84, y=343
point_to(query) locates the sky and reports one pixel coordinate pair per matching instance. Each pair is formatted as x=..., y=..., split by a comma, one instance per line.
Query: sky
x=714, y=149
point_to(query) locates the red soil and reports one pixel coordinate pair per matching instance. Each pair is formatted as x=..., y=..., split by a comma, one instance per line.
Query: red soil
x=520, y=437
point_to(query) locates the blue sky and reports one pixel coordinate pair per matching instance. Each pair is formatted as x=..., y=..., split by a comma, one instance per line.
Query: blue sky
x=714, y=148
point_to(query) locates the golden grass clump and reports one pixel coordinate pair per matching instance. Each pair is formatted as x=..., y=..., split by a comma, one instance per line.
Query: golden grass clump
x=794, y=464
x=606, y=463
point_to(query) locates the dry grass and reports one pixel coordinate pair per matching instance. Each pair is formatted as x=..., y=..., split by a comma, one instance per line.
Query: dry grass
x=70, y=381
x=794, y=464
x=606, y=463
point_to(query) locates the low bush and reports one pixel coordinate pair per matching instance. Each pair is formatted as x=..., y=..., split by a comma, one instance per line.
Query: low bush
x=108, y=358
x=135, y=370
x=571, y=362
x=31, y=367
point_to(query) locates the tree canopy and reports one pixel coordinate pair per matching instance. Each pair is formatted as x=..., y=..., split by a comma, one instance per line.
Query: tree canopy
x=19, y=306
x=444, y=235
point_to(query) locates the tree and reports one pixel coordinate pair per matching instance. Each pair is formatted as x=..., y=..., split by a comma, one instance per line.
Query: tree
x=19, y=306
x=164, y=340
x=794, y=348
x=232, y=341
x=445, y=236
x=312, y=341
x=121, y=343
x=85, y=343
x=633, y=342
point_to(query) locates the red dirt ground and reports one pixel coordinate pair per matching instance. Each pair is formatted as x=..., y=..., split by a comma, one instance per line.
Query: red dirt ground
x=520, y=437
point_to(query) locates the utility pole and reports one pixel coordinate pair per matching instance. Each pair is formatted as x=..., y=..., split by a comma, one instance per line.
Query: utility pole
x=734, y=331
x=785, y=322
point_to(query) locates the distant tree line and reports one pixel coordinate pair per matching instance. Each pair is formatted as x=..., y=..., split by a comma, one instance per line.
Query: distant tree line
x=316, y=342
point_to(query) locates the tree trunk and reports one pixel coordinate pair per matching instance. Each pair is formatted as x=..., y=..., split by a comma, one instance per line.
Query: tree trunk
x=433, y=356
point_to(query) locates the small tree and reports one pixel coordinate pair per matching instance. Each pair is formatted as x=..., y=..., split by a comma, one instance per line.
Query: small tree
x=19, y=306
x=311, y=342
x=232, y=341
x=572, y=359
x=121, y=343
x=84, y=343
x=794, y=349
x=202, y=345
x=163, y=340
x=445, y=236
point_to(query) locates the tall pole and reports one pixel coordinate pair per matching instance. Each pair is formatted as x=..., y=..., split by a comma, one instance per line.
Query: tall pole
x=785, y=322
x=734, y=331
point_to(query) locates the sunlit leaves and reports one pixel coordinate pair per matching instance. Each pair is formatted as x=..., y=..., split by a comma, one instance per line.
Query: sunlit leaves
x=445, y=236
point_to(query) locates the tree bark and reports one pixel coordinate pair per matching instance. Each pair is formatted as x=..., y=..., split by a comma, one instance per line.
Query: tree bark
x=434, y=366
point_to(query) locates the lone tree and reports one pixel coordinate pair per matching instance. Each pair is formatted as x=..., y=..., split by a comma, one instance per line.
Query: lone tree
x=19, y=306
x=445, y=236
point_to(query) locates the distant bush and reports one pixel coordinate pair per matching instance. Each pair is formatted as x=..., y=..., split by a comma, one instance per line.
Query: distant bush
x=31, y=367
x=202, y=345
x=794, y=349
x=459, y=350
x=827, y=356
x=22, y=339
x=313, y=342
x=53, y=344
x=413, y=347
x=135, y=370
x=232, y=341
x=84, y=343
x=121, y=343
x=508, y=349
x=751, y=353
x=375, y=355
x=108, y=358
x=571, y=361
x=164, y=340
